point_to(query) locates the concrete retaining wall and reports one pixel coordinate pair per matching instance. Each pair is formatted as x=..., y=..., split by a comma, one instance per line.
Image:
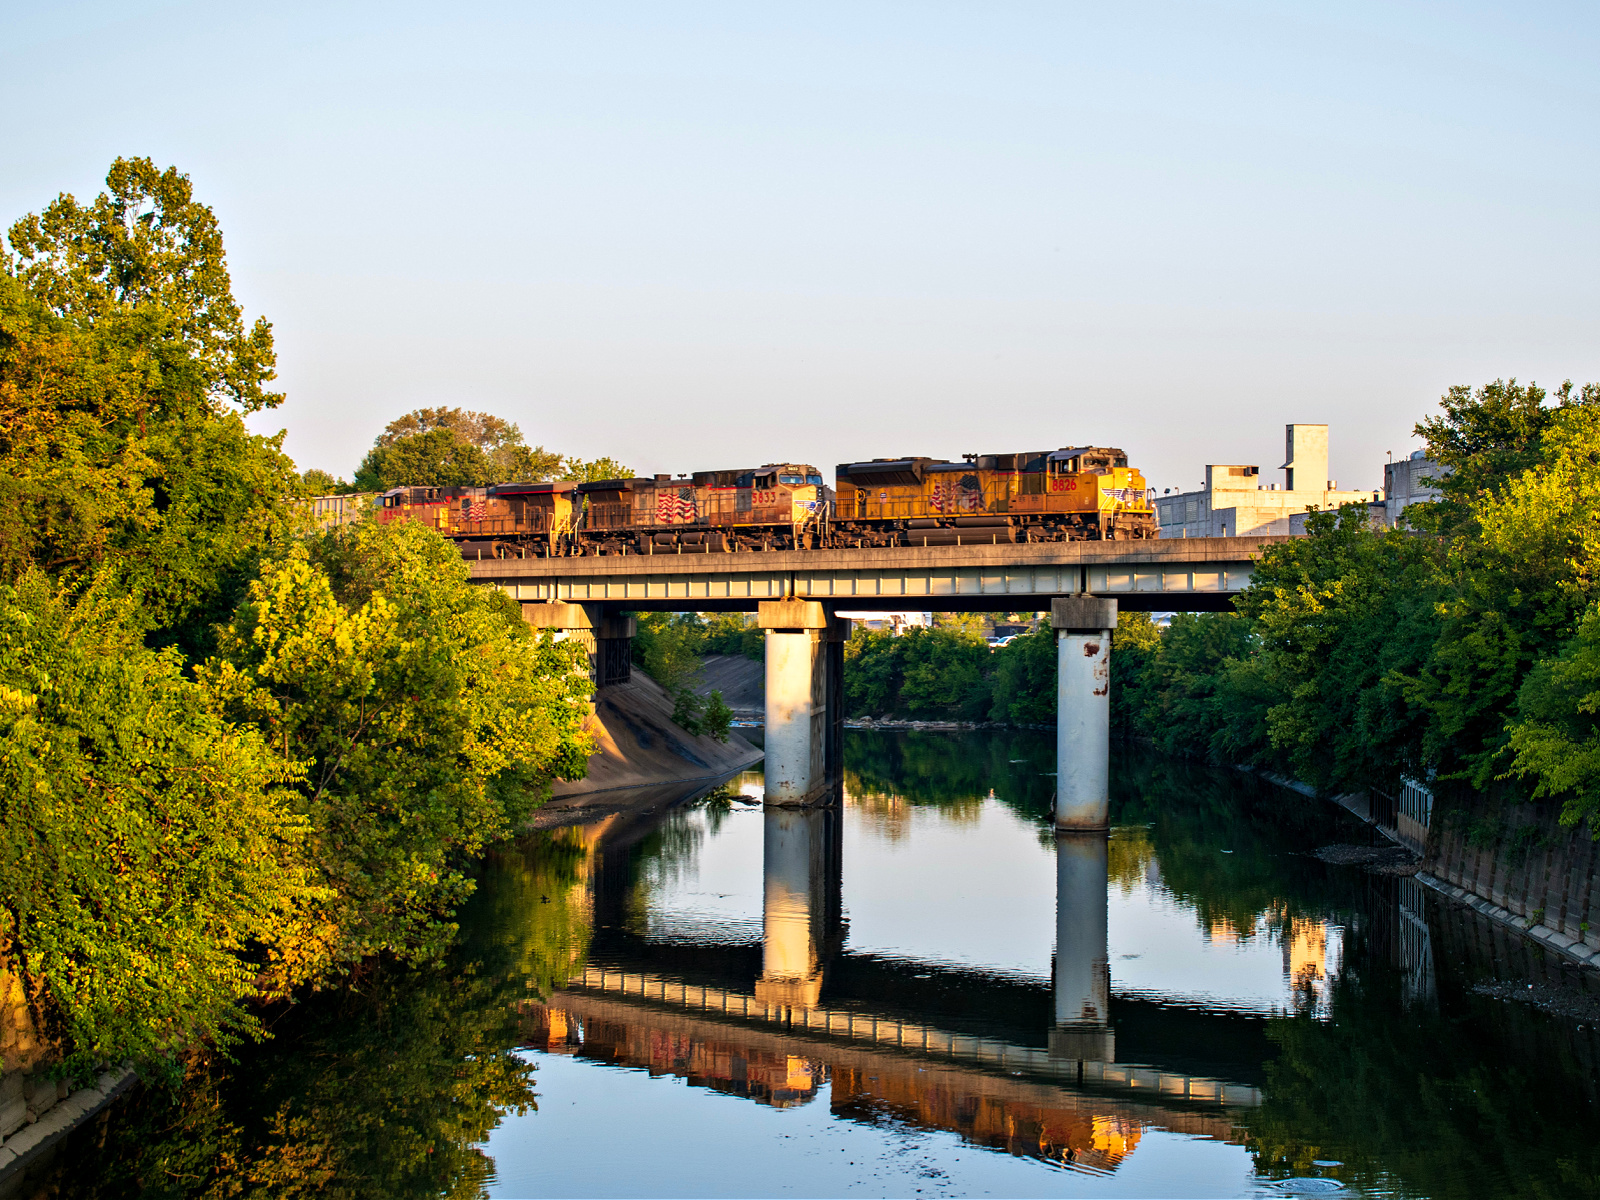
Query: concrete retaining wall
x=1515, y=864
x=1520, y=860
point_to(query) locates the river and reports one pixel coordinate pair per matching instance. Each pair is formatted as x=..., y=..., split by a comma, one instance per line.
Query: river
x=716, y=999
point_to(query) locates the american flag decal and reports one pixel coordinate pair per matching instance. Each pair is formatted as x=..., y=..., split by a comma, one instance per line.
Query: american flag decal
x=478, y=512
x=674, y=506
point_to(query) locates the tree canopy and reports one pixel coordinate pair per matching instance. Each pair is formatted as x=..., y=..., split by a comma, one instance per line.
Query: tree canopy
x=124, y=367
x=235, y=759
x=452, y=447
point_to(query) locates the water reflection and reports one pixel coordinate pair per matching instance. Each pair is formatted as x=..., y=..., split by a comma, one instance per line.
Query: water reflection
x=802, y=876
x=1082, y=967
x=907, y=984
x=1196, y=981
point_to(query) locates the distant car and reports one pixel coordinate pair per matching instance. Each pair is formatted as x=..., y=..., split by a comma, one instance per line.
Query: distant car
x=996, y=643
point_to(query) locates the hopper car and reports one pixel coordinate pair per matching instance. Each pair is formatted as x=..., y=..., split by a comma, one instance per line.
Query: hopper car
x=1085, y=492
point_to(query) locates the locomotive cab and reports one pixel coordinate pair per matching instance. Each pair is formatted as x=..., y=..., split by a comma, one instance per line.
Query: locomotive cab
x=427, y=505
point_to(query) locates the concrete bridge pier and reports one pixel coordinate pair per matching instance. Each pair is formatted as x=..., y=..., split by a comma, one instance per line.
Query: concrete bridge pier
x=805, y=700
x=1082, y=981
x=801, y=904
x=1083, y=626
x=608, y=638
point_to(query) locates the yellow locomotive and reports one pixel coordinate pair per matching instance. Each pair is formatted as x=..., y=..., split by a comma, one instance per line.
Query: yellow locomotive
x=1084, y=492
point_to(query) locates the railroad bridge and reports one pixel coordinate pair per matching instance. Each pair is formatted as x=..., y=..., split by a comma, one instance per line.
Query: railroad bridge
x=796, y=595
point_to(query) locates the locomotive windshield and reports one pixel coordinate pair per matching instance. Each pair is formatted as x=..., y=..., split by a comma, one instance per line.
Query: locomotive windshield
x=792, y=480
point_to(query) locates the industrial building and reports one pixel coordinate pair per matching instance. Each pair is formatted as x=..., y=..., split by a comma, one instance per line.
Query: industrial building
x=1403, y=484
x=1237, y=502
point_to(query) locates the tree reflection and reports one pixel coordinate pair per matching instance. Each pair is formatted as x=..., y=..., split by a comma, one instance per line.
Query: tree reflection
x=384, y=1089
x=1425, y=1104
x=949, y=770
x=1223, y=843
x=1232, y=847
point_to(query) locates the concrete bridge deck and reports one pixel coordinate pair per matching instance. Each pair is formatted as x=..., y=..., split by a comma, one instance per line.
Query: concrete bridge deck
x=1195, y=574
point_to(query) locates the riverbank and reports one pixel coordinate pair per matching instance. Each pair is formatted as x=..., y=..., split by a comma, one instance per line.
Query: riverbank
x=38, y=1113
x=637, y=744
x=1500, y=872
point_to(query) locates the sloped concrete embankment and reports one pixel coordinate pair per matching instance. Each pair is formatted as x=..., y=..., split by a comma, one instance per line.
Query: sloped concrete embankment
x=742, y=682
x=642, y=758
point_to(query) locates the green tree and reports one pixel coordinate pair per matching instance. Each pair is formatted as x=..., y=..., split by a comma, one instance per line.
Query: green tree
x=452, y=447
x=1134, y=646
x=926, y=673
x=1024, y=685
x=422, y=718
x=152, y=864
x=147, y=248
x=668, y=648
x=1543, y=529
x=1519, y=574
x=437, y=458
x=1334, y=615
x=593, y=470
x=734, y=633
x=1484, y=437
x=317, y=482
x=124, y=367
x=945, y=673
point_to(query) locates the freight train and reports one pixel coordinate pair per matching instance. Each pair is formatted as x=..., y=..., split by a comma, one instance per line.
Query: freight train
x=1085, y=492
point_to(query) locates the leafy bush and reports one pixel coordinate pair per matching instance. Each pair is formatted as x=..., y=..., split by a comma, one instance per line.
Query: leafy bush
x=153, y=862
x=921, y=673
x=422, y=720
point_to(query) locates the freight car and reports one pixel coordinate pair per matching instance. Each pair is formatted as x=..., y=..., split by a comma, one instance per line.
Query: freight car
x=1075, y=493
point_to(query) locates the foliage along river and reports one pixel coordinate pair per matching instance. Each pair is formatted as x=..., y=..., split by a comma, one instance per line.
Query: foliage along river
x=1278, y=1025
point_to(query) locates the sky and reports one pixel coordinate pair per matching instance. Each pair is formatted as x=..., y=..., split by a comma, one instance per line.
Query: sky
x=707, y=235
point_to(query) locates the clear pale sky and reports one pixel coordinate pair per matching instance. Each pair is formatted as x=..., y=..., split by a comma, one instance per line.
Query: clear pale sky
x=698, y=235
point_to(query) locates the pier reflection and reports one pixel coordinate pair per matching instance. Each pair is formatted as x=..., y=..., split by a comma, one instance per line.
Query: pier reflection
x=1082, y=984
x=802, y=883
x=784, y=1030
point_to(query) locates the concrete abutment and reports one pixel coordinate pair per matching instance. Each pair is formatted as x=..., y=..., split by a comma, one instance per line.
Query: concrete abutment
x=607, y=637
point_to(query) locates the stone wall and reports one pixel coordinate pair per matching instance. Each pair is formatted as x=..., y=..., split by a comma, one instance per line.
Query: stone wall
x=36, y=1109
x=1519, y=858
